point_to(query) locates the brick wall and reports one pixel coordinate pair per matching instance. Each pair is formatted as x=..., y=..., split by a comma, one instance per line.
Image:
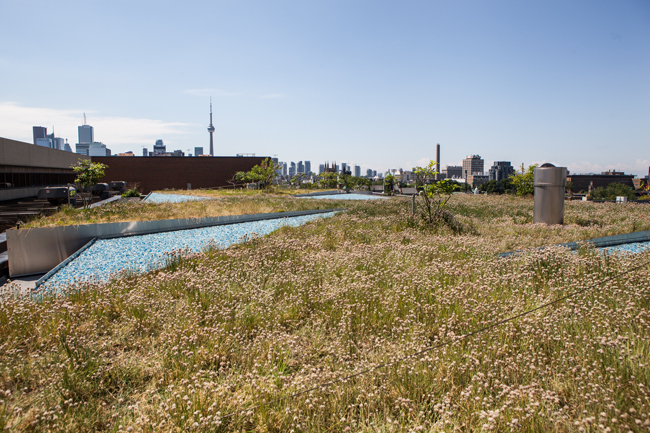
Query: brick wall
x=156, y=173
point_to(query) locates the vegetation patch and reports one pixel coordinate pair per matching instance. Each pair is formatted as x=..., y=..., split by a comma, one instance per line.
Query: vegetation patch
x=222, y=340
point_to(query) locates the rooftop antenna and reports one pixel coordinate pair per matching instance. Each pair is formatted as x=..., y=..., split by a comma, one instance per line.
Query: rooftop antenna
x=84, y=118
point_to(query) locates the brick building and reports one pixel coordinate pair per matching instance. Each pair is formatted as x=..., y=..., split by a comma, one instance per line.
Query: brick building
x=175, y=172
x=581, y=182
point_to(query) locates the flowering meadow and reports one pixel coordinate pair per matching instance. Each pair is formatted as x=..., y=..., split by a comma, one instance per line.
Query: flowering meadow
x=224, y=340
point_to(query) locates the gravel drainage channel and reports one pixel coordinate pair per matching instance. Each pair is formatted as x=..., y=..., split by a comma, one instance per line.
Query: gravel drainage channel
x=156, y=197
x=340, y=196
x=104, y=259
x=636, y=242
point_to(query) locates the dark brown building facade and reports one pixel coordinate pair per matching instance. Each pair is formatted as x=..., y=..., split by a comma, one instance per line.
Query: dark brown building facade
x=581, y=182
x=173, y=172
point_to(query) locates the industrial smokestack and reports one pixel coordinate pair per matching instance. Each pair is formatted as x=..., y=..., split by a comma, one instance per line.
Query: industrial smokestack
x=438, y=161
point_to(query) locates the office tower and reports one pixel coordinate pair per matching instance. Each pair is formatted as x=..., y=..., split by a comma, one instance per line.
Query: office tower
x=292, y=169
x=58, y=143
x=438, y=161
x=473, y=164
x=452, y=171
x=284, y=169
x=301, y=167
x=67, y=147
x=97, y=149
x=44, y=142
x=369, y=173
x=145, y=152
x=357, y=171
x=307, y=167
x=501, y=170
x=321, y=168
x=159, y=148
x=344, y=167
x=211, y=131
x=86, y=134
x=198, y=151
x=39, y=132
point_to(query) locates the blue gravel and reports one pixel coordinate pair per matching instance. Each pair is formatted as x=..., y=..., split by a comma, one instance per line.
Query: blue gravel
x=345, y=197
x=110, y=258
x=635, y=247
x=156, y=197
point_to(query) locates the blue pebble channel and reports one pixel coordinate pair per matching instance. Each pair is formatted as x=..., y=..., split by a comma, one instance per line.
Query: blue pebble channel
x=107, y=259
x=634, y=247
x=345, y=197
x=156, y=197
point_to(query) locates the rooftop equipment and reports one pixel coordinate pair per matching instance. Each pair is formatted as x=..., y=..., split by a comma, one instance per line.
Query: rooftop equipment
x=550, y=183
x=59, y=195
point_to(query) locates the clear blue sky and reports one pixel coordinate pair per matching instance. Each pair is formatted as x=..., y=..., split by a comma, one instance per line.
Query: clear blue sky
x=375, y=83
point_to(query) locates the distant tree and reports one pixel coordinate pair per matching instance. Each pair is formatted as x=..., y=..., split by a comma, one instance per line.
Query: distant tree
x=613, y=190
x=389, y=183
x=523, y=183
x=263, y=173
x=88, y=175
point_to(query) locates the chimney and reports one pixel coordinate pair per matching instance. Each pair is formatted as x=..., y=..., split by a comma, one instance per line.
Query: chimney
x=438, y=161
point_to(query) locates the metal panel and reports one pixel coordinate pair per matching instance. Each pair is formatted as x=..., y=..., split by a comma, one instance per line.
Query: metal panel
x=38, y=250
x=549, y=185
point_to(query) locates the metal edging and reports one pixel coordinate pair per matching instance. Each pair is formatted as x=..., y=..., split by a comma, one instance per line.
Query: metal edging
x=606, y=241
x=147, y=196
x=103, y=202
x=56, y=269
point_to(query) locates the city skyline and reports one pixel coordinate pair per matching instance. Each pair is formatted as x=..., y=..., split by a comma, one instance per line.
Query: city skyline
x=365, y=81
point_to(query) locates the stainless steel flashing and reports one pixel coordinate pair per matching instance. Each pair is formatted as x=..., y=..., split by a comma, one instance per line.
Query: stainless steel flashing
x=38, y=250
x=47, y=276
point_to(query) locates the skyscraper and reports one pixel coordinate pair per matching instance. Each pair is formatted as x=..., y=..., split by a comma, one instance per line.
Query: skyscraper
x=473, y=164
x=198, y=151
x=39, y=132
x=321, y=168
x=301, y=167
x=145, y=152
x=86, y=134
x=211, y=131
x=357, y=171
x=159, y=148
x=307, y=167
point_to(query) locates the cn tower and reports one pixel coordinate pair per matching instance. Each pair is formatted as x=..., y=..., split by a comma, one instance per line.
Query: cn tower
x=211, y=131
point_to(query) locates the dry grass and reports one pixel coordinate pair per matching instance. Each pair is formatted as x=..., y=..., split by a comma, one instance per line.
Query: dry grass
x=220, y=332
x=224, y=203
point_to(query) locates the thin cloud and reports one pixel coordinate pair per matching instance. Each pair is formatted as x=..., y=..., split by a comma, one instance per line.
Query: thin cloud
x=273, y=95
x=16, y=122
x=210, y=92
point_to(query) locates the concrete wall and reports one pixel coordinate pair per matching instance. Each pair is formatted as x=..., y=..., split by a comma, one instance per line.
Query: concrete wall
x=28, y=168
x=170, y=172
x=18, y=153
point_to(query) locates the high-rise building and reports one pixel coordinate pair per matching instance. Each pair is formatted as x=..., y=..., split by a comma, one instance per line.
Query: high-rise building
x=501, y=170
x=472, y=165
x=321, y=168
x=44, y=142
x=369, y=173
x=307, y=167
x=284, y=169
x=452, y=171
x=357, y=171
x=301, y=167
x=344, y=167
x=198, y=151
x=39, y=132
x=292, y=169
x=159, y=148
x=97, y=149
x=145, y=152
x=211, y=131
x=86, y=134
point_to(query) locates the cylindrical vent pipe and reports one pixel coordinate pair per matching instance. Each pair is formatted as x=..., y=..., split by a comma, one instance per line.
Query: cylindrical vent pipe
x=550, y=183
